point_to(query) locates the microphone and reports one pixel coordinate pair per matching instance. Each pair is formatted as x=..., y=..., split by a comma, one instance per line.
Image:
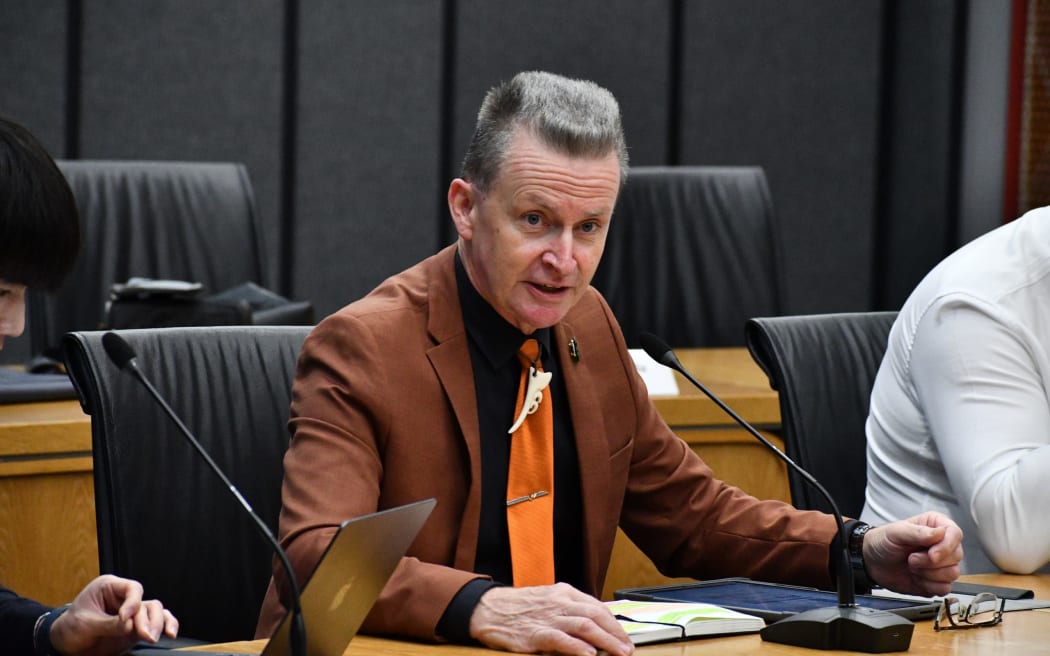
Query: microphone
x=122, y=355
x=846, y=626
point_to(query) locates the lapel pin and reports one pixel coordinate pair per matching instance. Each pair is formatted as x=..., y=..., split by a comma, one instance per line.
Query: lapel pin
x=574, y=349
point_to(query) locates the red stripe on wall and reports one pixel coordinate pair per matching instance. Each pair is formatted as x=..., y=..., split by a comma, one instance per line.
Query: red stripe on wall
x=1014, y=110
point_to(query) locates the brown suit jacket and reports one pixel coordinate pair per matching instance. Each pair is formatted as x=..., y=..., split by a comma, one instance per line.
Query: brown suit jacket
x=384, y=413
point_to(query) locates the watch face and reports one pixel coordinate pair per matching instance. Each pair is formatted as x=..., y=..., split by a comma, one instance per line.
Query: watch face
x=856, y=539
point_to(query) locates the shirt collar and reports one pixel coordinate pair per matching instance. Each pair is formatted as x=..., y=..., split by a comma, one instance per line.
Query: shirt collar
x=496, y=339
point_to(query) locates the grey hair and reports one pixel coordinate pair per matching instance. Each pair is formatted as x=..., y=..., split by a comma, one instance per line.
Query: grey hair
x=574, y=117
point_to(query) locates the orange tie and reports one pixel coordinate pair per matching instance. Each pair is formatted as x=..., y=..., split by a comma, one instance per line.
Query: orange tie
x=530, y=479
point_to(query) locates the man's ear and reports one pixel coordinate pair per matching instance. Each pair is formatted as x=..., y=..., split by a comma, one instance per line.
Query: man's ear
x=461, y=205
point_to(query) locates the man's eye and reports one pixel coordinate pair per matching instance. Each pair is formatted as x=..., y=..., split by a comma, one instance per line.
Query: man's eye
x=591, y=226
x=533, y=219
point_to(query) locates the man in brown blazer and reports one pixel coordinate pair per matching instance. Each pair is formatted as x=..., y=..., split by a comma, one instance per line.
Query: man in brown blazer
x=407, y=394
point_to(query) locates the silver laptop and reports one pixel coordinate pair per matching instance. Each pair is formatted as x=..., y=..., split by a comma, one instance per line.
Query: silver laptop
x=348, y=579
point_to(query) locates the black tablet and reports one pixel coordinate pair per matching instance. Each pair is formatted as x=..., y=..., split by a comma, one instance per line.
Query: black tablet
x=771, y=601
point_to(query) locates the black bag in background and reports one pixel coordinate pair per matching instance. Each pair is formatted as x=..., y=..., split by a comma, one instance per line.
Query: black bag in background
x=148, y=303
x=265, y=307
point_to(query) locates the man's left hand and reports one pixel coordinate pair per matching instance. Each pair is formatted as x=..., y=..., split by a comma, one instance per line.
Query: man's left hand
x=919, y=555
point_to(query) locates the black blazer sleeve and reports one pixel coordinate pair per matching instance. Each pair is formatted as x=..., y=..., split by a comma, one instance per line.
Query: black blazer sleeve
x=17, y=617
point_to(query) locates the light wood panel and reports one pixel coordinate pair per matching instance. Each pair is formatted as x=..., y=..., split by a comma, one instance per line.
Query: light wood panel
x=50, y=427
x=48, y=546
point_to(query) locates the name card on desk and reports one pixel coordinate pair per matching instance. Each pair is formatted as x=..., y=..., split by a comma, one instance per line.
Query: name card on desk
x=659, y=380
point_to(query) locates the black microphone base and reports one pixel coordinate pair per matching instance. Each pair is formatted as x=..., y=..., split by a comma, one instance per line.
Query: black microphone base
x=849, y=628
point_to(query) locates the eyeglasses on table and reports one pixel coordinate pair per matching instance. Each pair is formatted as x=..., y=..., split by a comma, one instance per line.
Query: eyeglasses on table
x=985, y=609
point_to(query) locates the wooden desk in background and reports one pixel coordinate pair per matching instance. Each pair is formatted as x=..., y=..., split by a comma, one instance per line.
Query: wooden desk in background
x=48, y=544
x=48, y=547
x=1021, y=632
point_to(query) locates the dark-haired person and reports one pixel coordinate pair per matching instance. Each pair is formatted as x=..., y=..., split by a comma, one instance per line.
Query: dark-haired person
x=414, y=391
x=39, y=238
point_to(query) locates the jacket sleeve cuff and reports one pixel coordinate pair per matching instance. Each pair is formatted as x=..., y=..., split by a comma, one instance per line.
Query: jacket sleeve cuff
x=454, y=625
x=42, y=632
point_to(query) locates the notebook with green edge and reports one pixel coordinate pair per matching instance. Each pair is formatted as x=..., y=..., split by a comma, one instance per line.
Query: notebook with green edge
x=658, y=621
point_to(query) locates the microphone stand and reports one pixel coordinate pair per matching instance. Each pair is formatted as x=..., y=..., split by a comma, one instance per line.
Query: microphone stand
x=122, y=355
x=845, y=626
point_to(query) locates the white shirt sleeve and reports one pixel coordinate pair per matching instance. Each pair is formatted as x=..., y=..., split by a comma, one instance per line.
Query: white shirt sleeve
x=980, y=378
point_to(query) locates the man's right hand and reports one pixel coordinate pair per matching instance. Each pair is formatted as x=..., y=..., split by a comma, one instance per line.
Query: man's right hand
x=108, y=617
x=555, y=619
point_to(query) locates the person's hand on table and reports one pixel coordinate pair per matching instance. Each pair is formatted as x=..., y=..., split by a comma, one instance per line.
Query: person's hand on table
x=556, y=619
x=109, y=617
x=919, y=555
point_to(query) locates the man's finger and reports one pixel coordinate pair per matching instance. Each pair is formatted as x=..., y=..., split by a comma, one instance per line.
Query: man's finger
x=149, y=621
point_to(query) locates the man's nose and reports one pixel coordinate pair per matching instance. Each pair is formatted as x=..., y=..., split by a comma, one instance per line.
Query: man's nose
x=559, y=253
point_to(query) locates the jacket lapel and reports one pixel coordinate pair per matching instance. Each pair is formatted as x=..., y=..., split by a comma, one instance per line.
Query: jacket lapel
x=591, y=443
x=450, y=357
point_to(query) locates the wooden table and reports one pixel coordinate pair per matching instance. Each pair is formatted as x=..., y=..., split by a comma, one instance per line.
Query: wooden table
x=48, y=544
x=1021, y=633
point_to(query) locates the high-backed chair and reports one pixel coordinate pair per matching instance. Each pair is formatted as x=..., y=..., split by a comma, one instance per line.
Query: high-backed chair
x=163, y=517
x=192, y=221
x=823, y=367
x=692, y=253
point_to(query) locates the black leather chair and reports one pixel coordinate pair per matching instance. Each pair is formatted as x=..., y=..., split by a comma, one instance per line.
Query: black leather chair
x=192, y=221
x=163, y=516
x=692, y=253
x=823, y=367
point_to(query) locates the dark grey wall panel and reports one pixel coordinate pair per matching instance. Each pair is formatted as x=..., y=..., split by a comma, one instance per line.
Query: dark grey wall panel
x=982, y=156
x=794, y=87
x=852, y=109
x=369, y=133
x=624, y=45
x=187, y=80
x=32, y=68
x=918, y=226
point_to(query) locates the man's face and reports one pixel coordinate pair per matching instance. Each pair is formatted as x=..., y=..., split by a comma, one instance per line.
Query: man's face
x=532, y=242
x=12, y=310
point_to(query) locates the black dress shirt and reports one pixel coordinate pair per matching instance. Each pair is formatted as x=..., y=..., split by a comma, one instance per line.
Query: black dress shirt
x=493, y=345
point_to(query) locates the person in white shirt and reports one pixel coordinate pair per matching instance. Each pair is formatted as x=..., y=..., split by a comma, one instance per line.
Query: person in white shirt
x=960, y=411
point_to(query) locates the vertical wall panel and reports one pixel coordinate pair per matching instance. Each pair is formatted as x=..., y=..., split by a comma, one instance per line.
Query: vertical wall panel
x=33, y=68
x=187, y=80
x=369, y=120
x=793, y=87
x=918, y=227
x=983, y=148
x=624, y=45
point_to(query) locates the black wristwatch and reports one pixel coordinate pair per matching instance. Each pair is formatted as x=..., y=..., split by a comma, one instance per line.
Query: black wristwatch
x=861, y=580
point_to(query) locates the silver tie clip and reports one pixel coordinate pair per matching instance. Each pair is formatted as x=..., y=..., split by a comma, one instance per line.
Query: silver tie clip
x=528, y=497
